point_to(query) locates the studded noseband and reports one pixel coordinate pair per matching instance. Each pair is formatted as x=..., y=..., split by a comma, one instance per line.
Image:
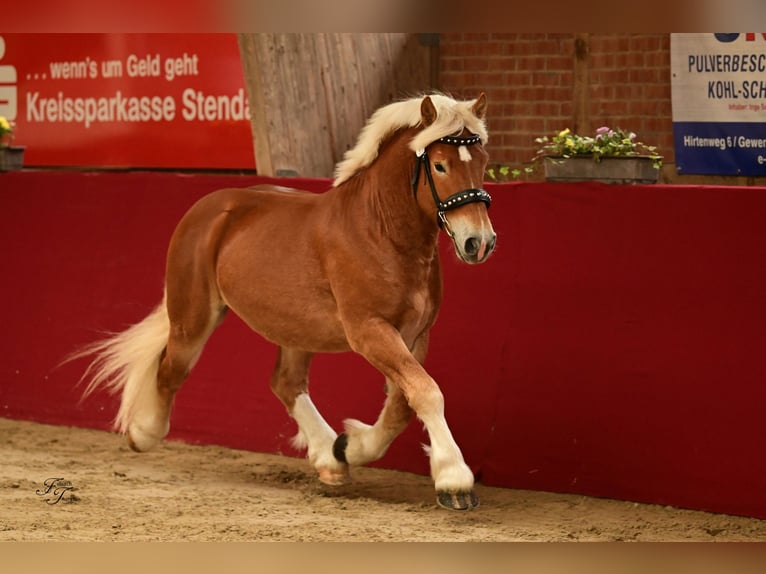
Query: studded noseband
x=457, y=199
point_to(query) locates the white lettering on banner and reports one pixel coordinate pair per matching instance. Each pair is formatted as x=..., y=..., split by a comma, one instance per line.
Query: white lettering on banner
x=198, y=106
x=148, y=66
x=111, y=69
x=74, y=70
x=694, y=141
x=118, y=108
x=135, y=66
x=184, y=66
x=88, y=111
x=724, y=143
x=751, y=142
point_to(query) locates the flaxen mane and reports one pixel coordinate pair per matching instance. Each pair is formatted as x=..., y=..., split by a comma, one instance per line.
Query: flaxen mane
x=452, y=117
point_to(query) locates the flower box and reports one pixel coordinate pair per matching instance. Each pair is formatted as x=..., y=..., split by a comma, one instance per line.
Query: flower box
x=623, y=170
x=11, y=158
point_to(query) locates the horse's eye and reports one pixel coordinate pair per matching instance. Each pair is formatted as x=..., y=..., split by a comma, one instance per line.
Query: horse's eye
x=440, y=168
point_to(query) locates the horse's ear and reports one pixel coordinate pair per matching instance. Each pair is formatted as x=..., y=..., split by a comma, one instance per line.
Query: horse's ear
x=427, y=111
x=479, y=108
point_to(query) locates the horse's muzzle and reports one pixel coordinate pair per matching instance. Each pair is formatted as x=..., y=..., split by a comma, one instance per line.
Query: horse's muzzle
x=476, y=248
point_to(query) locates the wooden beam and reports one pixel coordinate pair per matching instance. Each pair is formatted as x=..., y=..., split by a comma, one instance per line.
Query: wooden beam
x=581, y=92
x=258, y=123
x=310, y=94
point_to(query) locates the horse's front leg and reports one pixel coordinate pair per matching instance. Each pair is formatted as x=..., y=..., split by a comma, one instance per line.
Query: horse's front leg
x=382, y=345
x=362, y=443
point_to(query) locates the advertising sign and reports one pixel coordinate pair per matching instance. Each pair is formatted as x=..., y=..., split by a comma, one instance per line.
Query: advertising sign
x=719, y=103
x=127, y=100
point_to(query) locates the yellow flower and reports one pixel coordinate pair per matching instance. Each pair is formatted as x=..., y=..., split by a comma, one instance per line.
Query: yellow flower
x=564, y=133
x=4, y=125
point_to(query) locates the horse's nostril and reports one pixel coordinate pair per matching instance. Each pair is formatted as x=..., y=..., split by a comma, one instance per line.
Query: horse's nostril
x=472, y=245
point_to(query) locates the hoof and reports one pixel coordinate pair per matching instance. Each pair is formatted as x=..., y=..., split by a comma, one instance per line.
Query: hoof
x=141, y=442
x=334, y=477
x=339, y=447
x=457, y=500
x=132, y=444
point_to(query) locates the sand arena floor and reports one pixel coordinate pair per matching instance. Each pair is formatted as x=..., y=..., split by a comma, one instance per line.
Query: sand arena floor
x=184, y=492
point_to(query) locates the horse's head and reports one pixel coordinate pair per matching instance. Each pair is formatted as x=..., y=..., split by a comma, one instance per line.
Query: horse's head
x=448, y=176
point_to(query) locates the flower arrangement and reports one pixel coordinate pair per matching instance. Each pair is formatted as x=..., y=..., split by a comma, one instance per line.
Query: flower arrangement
x=6, y=132
x=607, y=142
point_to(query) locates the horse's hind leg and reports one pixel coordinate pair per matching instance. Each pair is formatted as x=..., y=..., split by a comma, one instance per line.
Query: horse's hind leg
x=150, y=360
x=289, y=382
x=190, y=328
x=194, y=309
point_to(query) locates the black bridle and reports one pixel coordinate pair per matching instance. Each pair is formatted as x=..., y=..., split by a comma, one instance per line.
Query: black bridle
x=457, y=199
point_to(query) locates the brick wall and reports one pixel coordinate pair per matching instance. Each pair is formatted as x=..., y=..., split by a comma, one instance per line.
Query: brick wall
x=630, y=86
x=530, y=82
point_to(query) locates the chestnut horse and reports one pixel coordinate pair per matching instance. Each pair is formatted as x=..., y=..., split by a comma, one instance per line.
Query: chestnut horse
x=355, y=268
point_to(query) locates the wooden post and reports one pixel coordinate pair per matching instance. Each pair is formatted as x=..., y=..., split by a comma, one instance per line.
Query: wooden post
x=580, y=96
x=258, y=123
x=310, y=94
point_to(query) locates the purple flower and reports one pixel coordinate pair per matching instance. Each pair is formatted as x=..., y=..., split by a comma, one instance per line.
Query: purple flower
x=603, y=131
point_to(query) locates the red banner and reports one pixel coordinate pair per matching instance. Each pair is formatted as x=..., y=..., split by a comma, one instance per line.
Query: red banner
x=127, y=100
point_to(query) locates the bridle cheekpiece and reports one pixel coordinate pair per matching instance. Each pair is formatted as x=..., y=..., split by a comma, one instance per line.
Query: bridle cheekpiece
x=457, y=199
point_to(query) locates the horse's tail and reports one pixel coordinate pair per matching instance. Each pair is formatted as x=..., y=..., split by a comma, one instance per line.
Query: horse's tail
x=128, y=362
